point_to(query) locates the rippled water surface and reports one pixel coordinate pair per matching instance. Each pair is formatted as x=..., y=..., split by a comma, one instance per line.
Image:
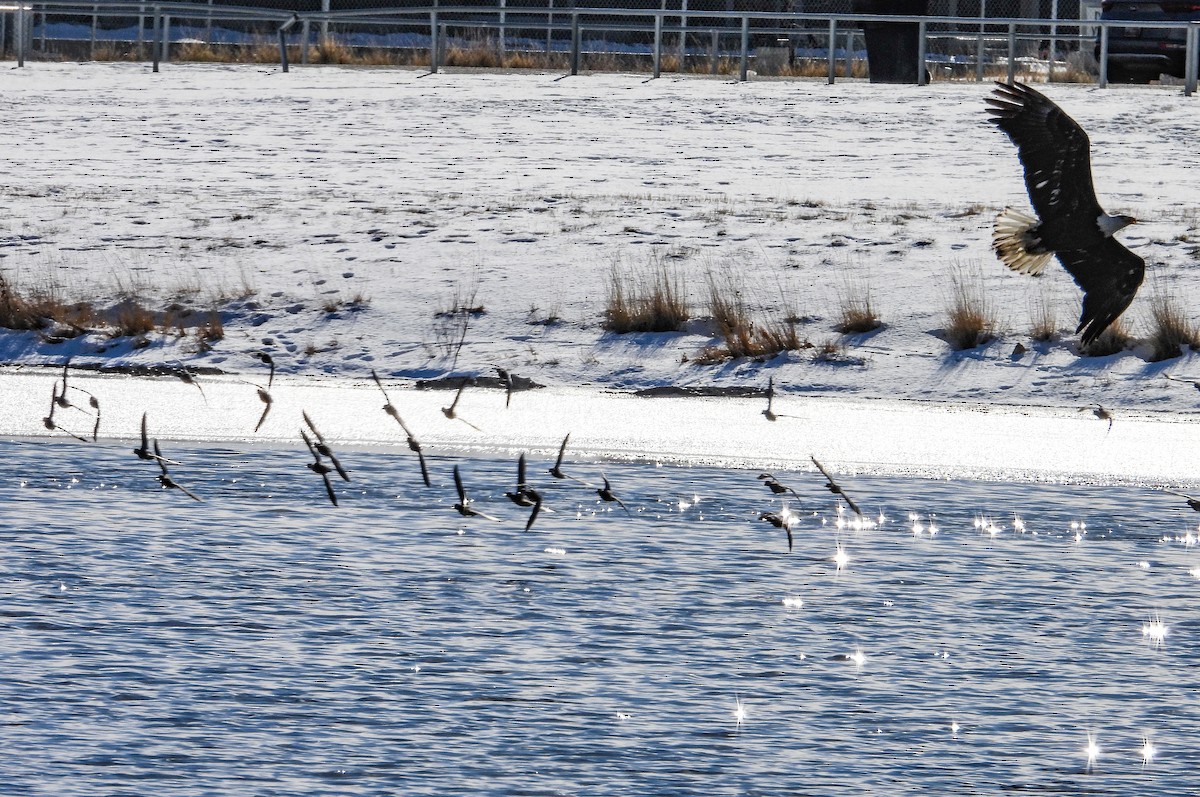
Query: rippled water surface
x=265, y=642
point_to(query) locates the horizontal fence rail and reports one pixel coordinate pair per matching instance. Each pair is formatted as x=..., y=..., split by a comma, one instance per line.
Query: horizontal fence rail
x=566, y=30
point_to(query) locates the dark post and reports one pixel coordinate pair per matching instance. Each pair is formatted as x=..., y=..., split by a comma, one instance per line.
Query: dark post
x=892, y=47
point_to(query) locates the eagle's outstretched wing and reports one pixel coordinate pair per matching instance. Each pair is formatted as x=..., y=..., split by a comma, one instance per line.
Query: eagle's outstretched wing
x=1053, y=148
x=1109, y=275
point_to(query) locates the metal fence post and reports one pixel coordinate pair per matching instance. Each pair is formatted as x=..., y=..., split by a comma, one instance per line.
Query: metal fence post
x=166, y=38
x=832, y=50
x=19, y=33
x=575, y=42
x=155, y=49
x=922, y=71
x=658, y=25
x=305, y=37
x=1012, y=52
x=744, y=70
x=92, y=42
x=1102, y=80
x=1191, y=53
x=714, y=64
x=979, y=42
x=435, y=57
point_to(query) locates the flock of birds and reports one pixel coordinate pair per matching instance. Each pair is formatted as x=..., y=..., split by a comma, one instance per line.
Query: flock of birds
x=325, y=461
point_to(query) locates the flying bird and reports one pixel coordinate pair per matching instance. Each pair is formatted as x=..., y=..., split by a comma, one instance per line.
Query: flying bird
x=143, y=451
x=464, y=504
x=165, y=479
x=526, y=496
x=606, y=494
x=768, y=412
x=267, y=401
x=507, y=379
x=775, y=485
x=320, y=468
x=413, y=444
x=1070, y=224
x=450, y=413
x=780, y=520
x=1194, y=503
x=188, y=378
x=557, y=471
x=836, y=488
x=49, y=421
x=1101, y=413
x=270, y=361
x=321, y=446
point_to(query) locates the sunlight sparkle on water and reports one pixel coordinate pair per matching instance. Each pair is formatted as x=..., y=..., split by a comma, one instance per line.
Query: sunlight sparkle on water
x=793, y=602
x=739, y=711
x=1148, y=750
x=1156, y=631
x=1092, y=751
x=841, y=558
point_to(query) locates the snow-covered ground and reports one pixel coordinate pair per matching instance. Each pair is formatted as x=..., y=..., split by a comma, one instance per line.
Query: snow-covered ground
x=331, y=214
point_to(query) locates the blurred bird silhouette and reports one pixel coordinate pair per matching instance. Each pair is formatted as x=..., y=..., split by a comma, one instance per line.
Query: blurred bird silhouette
x=606, y=494
x=413, y=443
x=450, y=411
x=320, y=468
x=464, y=504
x=323, y=447
x=165, y=479
x=836, y=489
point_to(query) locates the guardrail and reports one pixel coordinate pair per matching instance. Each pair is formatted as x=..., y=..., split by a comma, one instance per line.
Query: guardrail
x=435, y=20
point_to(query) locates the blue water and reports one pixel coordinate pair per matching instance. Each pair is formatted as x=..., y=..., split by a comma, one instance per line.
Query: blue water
x=264, y=642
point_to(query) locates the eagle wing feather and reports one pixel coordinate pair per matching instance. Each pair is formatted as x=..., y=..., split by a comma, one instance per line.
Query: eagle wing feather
x=1052, y=147
x=1109, y=275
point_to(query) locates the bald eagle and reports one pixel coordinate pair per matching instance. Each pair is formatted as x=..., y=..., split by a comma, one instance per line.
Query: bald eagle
x=1070, y=223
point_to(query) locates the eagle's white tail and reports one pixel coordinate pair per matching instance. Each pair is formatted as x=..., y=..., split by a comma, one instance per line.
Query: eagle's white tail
x=1012, y=242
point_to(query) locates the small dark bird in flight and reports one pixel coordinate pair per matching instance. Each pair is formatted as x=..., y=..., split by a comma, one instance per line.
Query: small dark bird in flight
x=143, y=451
x=557, y=471
x=49, y=421
x=775, y=485
x=1193, y=382
x=464, y=504
x=188, y=378
x=165, y=479
x=1070, y=225
x=606, y=494
x=780, y=520
x=768, y=412
x=526, y=496
x=507, y=379
x=835, y=488
x=270, y=361
x=1101, y=413
x=265, y=398
x=320, y=468
x=323, y=447
x=450, y=413
x=413, y=444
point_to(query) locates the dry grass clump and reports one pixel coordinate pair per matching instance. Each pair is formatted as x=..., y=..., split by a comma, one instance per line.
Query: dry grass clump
x=653, y=301
x=1044, y=320
x=1171, y=330
x=856, y=313
x=740, y=335
x=131, y=318
x=970, y=318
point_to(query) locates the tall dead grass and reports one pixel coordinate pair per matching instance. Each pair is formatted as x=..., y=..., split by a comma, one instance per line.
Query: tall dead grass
x=741, y=335
x=653, y=300
x=970, y=317
x=1170, y=329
